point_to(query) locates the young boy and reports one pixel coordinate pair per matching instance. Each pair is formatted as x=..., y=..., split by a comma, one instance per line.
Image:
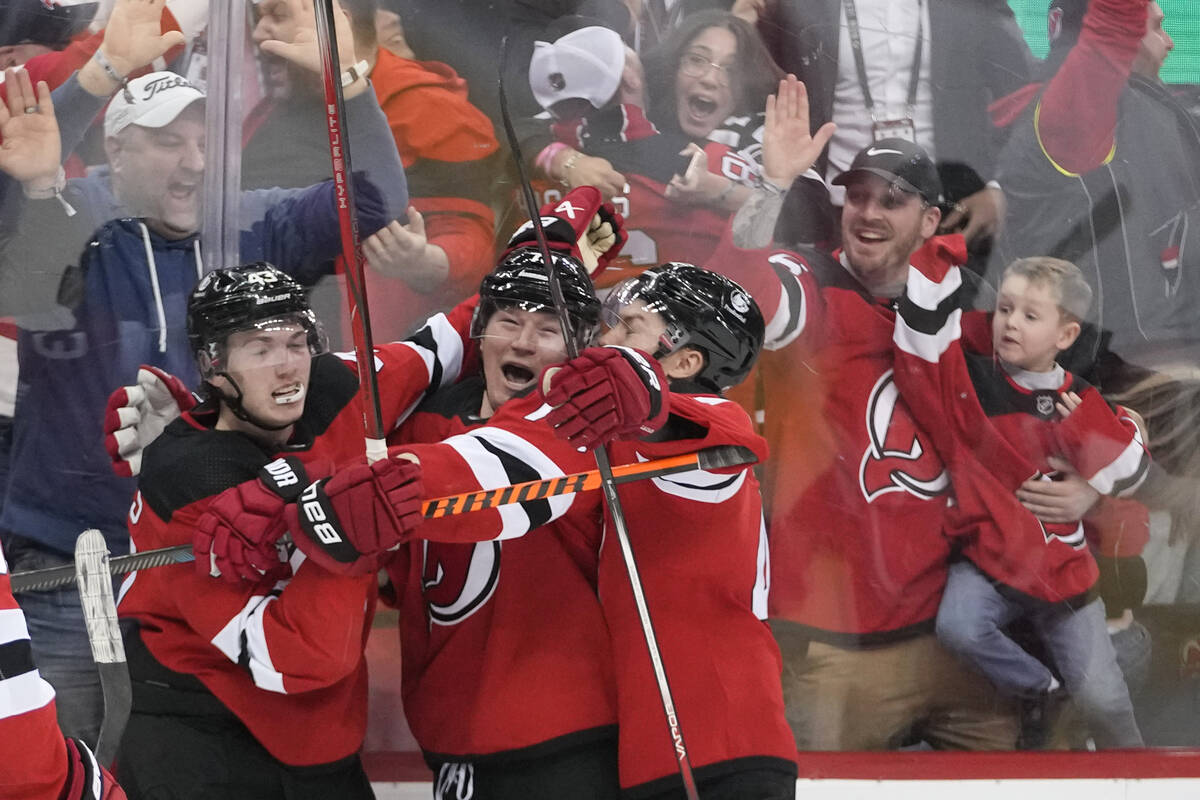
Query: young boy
x=997, y=419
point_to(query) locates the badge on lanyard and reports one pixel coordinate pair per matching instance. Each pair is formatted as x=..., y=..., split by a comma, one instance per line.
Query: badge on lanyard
x=903, y=127
x=894, y=129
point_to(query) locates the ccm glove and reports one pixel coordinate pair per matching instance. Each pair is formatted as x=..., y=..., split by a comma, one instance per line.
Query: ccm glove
x=606, y=393
x=237, y=536
x=349, y=523
x=582, y=225
x=137, y=414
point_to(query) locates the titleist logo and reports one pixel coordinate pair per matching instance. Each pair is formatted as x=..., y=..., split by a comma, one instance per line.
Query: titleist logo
x=163, y=84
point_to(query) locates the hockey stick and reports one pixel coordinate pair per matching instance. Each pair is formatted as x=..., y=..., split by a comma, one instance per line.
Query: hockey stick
x=94, y=578
x=709, y=458
x=356, y=292
x=602, y=463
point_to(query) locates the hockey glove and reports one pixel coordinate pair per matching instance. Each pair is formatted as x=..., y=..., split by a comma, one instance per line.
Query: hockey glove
x=137, y=414
x=237, y=536
x=606, y=393
x=349, y=523
x=580, y=224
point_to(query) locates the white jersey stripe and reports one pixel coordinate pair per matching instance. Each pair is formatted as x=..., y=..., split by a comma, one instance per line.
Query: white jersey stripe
x=489, y=471
x=249, y=624
x=12, y=626
x=762, y=576
x=23, y=693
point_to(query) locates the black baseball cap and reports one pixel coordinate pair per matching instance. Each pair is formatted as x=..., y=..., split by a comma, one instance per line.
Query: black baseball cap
x=900, y=161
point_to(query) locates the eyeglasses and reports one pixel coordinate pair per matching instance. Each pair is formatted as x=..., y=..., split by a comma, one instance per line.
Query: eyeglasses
x=695, y=65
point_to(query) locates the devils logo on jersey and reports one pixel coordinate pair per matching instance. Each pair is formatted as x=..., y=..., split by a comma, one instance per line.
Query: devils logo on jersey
x=458, y=579
x=895, y=460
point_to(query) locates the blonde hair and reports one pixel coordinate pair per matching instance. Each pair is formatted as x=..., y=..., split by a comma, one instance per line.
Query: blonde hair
x=1062, y=277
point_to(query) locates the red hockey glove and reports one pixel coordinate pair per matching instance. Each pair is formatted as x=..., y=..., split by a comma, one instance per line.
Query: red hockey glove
x=606, y=393
x=581, y=224
x=236, y=536
x=137, y=414
x=349, y=523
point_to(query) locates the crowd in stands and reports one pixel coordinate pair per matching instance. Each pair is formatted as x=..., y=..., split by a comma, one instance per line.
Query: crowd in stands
x=980, y=380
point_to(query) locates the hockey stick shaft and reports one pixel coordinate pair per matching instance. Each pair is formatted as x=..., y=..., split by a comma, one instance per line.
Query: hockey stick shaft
x=607, y=483
x=343, y=184
x=434, y=508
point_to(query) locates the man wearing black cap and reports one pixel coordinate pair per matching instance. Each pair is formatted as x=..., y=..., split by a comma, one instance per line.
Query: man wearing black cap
x=892, y=192
x=857, y=493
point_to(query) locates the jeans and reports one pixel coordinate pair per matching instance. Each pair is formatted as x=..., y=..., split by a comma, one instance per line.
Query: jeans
x=970, y=622
x=59, y=642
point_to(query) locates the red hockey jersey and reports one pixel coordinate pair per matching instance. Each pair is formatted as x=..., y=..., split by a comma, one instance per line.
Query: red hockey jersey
x=701, y=550
x=708, y=606
x=856, y=492
x=36, y=763
x=285, y=657
x=506, y=653
x=995, y=433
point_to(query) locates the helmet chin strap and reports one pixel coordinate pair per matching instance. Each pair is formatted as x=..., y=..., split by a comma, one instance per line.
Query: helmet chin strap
x=239, y=410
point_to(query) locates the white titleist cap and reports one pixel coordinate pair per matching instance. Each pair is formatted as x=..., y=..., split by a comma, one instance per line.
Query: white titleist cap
x=586, y=63
x=153, y=100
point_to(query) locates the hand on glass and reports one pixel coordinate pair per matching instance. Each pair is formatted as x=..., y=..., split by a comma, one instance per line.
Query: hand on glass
x=31, y=149
x=133, y=36
x=403, y=251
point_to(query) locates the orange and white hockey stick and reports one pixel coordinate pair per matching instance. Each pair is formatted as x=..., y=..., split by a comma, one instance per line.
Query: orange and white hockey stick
x=709, y=458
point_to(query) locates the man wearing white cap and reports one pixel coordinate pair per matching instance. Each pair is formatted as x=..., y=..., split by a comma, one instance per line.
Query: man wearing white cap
x=98, y=273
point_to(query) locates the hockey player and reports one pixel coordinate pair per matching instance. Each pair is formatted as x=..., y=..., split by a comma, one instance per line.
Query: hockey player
x=232, y=677
x=555, y=581
x=36, y=761
x=698, y=538
x=508, y=670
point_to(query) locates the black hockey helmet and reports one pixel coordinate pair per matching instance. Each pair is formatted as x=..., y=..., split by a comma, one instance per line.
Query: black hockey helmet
x=52, y=23
x=248, y=297
x=701, y=309
x=521, y=280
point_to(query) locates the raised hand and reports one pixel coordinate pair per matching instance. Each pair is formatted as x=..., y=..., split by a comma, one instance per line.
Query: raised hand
x=133, y=36
x=789, y=146
x=304, y=51
x=31, y=149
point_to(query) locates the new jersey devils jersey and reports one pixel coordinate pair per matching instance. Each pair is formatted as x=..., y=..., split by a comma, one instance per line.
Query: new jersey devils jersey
x=700, y=546
x=856, y=493
x=506, y=654
x=995, y=433
x=286, y=656
x=36, y=763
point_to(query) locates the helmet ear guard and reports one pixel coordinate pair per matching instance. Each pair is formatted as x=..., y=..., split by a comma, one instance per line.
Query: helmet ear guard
x=245, y=298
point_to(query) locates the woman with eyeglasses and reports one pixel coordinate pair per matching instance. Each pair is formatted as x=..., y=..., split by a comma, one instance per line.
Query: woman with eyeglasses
x=709, y=81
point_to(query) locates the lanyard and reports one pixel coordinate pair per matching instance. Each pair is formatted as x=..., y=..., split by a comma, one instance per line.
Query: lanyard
x=856, y=45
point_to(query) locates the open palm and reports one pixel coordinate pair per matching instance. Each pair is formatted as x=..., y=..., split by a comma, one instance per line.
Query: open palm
x=789, y=146
x=31, y=147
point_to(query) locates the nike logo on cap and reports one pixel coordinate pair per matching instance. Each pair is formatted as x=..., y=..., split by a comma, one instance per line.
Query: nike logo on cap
x=877, y=151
